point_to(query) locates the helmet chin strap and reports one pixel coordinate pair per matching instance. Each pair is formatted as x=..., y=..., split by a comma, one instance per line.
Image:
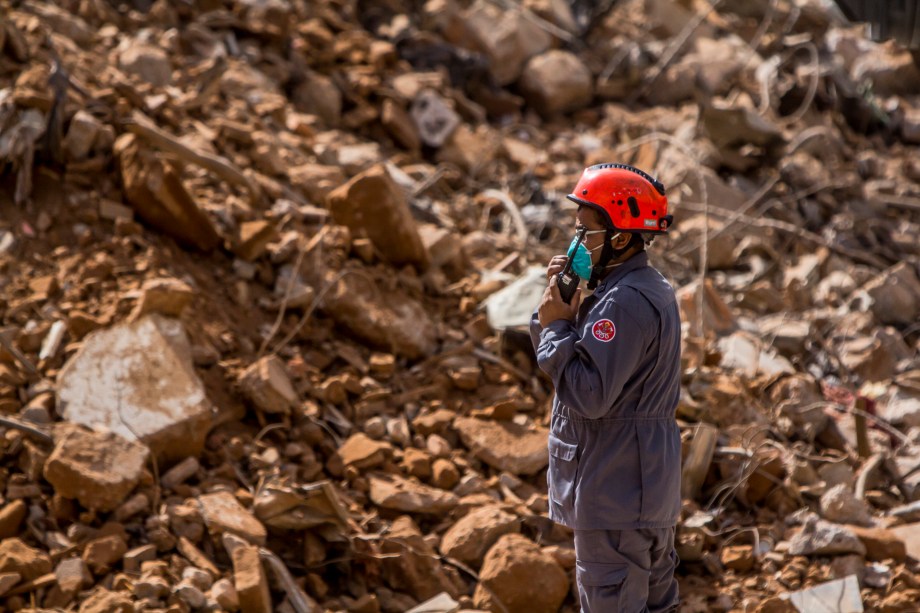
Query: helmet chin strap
x=598, y=271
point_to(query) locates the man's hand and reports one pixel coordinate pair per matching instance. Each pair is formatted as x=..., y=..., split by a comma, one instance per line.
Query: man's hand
x=555, y=266
x=552, y=306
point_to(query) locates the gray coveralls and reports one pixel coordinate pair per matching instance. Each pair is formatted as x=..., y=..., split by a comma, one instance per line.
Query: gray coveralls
x=614, y=444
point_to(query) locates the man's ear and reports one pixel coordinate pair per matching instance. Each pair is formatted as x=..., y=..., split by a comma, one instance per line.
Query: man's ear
x=622, y=240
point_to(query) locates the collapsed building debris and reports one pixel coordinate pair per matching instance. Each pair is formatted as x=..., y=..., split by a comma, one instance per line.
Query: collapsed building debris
x=264, y=268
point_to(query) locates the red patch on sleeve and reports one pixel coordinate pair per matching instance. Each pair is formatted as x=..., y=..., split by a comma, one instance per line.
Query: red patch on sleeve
x=604, y=330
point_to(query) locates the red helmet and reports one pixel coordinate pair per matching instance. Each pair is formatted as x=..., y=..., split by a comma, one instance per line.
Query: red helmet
x=627, y=198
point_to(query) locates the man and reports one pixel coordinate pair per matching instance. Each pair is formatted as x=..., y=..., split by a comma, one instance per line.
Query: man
x=614, y=358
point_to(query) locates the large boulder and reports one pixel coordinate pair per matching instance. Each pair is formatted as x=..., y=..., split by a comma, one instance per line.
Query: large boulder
x=557, y=82
x=505, y=445
x=138, y=381
x=470, y=538
x=518, y=576
x=374, y=205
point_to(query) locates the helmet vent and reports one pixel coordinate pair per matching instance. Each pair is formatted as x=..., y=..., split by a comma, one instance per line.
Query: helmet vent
x=633, y=206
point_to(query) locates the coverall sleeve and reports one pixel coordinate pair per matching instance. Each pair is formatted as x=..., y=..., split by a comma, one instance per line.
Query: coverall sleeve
x=590, y=364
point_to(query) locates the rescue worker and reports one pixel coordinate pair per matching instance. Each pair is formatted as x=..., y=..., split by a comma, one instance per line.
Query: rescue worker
x=614, y=359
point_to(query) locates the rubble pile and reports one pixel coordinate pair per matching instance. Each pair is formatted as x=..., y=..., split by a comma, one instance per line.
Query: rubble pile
x=265, y=267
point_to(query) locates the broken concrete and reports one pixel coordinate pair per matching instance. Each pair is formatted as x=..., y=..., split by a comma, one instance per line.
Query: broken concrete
x=98, y=469
x=137, y=380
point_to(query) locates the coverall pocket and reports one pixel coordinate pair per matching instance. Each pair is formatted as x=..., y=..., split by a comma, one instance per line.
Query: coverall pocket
x=563, y=468
x=601, y=586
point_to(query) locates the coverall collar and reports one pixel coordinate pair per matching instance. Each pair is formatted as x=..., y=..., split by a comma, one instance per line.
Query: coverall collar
x=639, y=260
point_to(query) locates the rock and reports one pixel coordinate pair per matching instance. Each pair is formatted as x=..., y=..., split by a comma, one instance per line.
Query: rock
x=155, y=191
x=557, y=82
x=444, y=474
x=384, y=318
x=315, y=181
x=506, y=38
x=400, y=125
x=133, y=559
x=505, y=445
x=839, y=595
x=164, y=296
x=137, y=380
x=8, y=580
x=16, y=556
x=11, y=517
x=81, y=135
x=180, y=473
x=434, y=422
x=745, y=353
x=910, y=535
x=895, y=295
x=717, y=62
x=837, y=473
x=417, y=463
x=471, y=536
x=355, y=158
x=839, y=505
x=97, y=469
x=763, y=481
x=250, y=581
x=721, y=245
x=151, y=587
x=881, y=543
x=717, y=316
x=821, y=538
x=63, y=23
x=910, y=126
x=362, y=452
x=444, y=248
x=372, y=204
x=104, y=601
x=513, y=305
x=434, y=119
x=318, y=95
x=253, y=238
x=789, y=337
x=268, y=386
x=222, y=513
x=190, y=595
x=224, y=594
x=148, y=63
x=738, y=557
x=868, y=358
x=733, y=127
x=197, y=577
x=891, y=70
x=400, y=494
x=415, y=569
x=902, y=407
x=102, y=553
x=508, y=576
x=442, y=603
x=470, y=149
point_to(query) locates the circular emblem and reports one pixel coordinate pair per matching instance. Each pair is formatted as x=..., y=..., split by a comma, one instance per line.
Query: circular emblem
x=604, y=330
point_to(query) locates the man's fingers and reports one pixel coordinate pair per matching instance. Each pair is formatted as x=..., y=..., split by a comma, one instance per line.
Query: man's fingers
x=554, y=289
x=555, y=266
x=576, y=301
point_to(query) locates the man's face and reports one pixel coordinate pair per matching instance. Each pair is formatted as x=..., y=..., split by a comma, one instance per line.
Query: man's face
x=590, y=219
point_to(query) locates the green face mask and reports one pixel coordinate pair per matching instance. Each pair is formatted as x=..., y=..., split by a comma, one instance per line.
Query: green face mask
x=581, y=261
